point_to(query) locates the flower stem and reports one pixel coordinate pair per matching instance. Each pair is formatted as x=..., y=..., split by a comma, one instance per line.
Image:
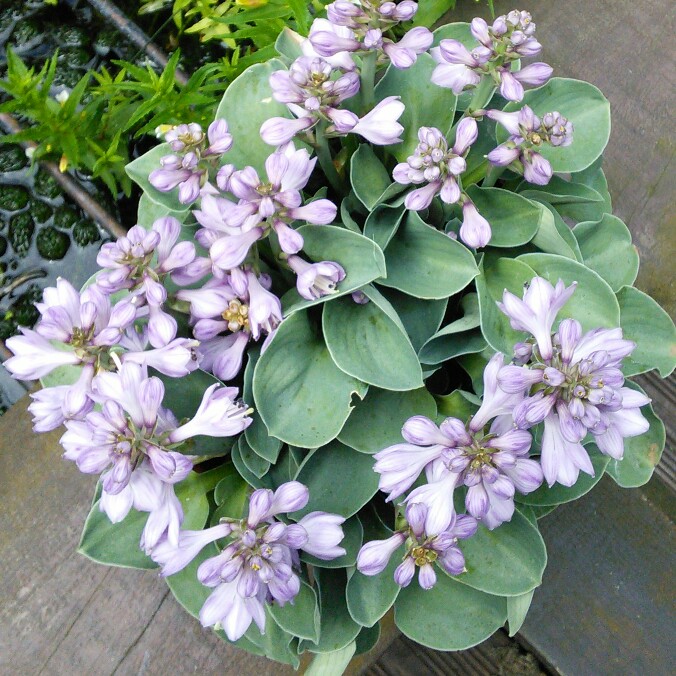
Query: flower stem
x=325, y=159
x=492, y=175
x=368, y=79
x=482, y=94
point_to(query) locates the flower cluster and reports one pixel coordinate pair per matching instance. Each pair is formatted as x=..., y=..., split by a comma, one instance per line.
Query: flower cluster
x=528, y=133
x=353, y=27
x=312, y=89
x=440, y=168
x=194, y=153
x=421, y=550
x=569, y=381
x=509, y=38
x=259, y=562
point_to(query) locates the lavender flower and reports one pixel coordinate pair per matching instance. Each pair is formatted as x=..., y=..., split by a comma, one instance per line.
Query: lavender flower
x=258, y=564
x=423, y=549
x=437, y=166
x=316, y=279
x=573, y=383
x=528, y=132
x=509, y=39
x=194, y=156
x=361, y=27
x=86, y=326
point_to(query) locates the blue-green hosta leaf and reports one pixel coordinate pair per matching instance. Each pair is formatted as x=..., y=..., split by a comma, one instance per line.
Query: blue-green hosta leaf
x=361, y=258
x=593, y=304
x=425, y=263
x=457, y=404
x=300, y=618
x=376, y=422
x=606, y=248
x=452, y=616
x=514, y=220
x=517, y=609
x=149, y=212
x=369, y=342
x=288, y=44
x=338, y=629
x=426, y=104
x=504, y=273
x=246, y=104
x=303, y=398
x=507, y=561
x=554, y=235
x=368, y=176
x=139, y=170
x=651, y=328
x=382, y=223
x=340, y=479
x=585, y=106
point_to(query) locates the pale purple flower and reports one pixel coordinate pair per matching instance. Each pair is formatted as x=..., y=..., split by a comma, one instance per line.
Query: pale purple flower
x=258, y=563
x=265, y=309
x=315, y=280
x=437, y=166
x=380, y=126
x=475, y=230
x=220, y=139
x=342, y=60
x=218, y=415
x=85, y=324
x=527, y=134
x=537, y=311
x=404, y=54
x=183, y=173
x=574, y=384
x=423, y=549
x=498, y=46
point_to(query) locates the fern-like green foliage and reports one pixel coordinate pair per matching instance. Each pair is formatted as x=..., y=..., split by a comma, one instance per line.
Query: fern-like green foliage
x=90, y=130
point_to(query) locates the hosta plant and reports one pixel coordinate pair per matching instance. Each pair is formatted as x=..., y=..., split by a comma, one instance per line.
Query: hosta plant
x=372, y=324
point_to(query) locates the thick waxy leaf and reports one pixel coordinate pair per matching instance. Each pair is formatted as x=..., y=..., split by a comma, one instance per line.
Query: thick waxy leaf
x=257, y=435
x=459, y=337
x=558, y=494
x=504, y=273
x=651, y=328
x=376, y=422
x=139, y=170
x=338, y=629
x=517, y=609
x=457, y=404
x=117, y=544
x=368, y=176
x=421, y=318
x=370, y=343
x=642, y=453
x=585, y=106
x=426, y=263
x=149, y=212
x=554, y=235
x=300, y=618
x=514, y=219
x=288, y=44
x=254, y=463
x=361, y=258
x=574, y=200
x=594, y=177
x=606, y=248
x=303, y=398
x=593, y=304
x=275, y=643
x=426, y=104
x=507, y=561
x=382, y=223
x=341, y=480
x=246, y=104
x=182, y=396
x=451, y=616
